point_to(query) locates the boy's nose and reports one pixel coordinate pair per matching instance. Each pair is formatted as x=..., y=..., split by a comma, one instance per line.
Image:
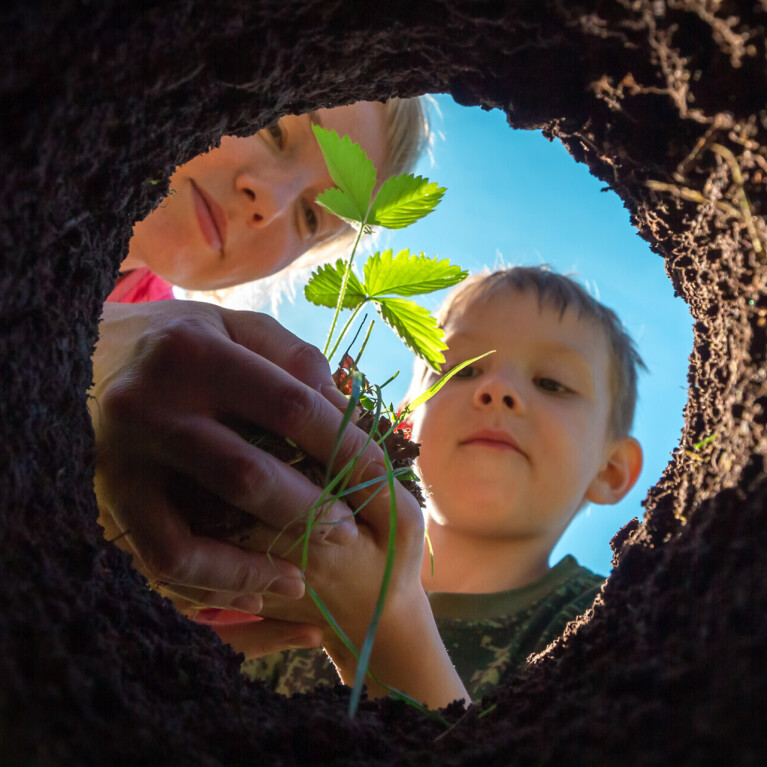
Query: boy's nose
x=486, y=399
x=497, y=392
x=262, y=202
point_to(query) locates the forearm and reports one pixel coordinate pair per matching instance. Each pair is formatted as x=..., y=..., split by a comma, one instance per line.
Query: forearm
x=408, y=655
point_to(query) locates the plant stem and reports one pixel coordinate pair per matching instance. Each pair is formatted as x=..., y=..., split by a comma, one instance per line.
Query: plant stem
x=364, y=344
x=344, y=331
x=344, y=283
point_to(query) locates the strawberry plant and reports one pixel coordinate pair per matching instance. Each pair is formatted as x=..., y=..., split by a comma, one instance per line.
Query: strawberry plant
x=388, y=281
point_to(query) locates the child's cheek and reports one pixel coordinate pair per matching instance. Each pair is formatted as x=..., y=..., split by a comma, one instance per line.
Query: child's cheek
x=416, y=425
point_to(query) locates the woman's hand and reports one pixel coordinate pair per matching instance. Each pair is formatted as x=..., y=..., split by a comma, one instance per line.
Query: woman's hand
x=169, y=376
x=257, y=637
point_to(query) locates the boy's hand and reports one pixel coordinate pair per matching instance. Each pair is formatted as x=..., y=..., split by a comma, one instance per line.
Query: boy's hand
x=168, y=376
x=408, y=653
x=348, y=578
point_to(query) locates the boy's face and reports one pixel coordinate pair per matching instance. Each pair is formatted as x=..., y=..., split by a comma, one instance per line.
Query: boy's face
x=511, y=444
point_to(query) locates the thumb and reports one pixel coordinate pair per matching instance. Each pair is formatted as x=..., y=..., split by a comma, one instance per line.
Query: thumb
x=268, y=635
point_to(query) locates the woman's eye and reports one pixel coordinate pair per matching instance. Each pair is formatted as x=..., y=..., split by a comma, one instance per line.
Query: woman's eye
x=310, y=217
x=276, y=134
x=549, y=384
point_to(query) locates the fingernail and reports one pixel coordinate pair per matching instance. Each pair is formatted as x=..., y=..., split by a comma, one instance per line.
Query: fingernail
x=207, y=614
x=332, y=395
x=249, y=603
x=292, y=588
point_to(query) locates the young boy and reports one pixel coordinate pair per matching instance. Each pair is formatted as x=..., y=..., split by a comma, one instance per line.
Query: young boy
x=511, y=448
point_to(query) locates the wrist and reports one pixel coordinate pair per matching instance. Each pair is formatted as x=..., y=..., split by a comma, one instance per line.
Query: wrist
x=408, y=655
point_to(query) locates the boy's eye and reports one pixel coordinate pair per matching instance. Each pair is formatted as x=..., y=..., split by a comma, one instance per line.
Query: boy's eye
x=276, y=134
x=549, y=384
x=310, y=217
x=470, y=371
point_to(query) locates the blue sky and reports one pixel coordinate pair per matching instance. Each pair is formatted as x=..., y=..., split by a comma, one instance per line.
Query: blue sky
x=515, y=198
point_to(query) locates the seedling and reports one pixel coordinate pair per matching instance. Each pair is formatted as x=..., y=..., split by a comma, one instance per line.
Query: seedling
x=389, y=282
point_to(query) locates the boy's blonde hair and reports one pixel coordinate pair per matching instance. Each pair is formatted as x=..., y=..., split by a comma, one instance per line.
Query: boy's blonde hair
x=560, y=293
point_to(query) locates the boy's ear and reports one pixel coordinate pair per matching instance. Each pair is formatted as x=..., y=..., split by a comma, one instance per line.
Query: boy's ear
x=618, y=474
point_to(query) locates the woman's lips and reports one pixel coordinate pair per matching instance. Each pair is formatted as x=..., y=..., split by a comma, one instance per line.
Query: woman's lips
x=495, y=439
x=210, y=217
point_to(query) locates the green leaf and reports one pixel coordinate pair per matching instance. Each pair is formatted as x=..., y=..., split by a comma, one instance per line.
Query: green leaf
x=351, y=170
x=339, y=204
x=325, y=284
x=416, y=327
x=403, y=200
x=408, y=275
x=436, y=386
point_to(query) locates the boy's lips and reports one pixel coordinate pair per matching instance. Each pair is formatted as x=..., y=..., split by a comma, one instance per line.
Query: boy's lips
x=495, y=439
x=210, y=217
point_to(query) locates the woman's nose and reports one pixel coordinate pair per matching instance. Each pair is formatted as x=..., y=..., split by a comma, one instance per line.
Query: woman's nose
x=497, y=391
x=262, y=202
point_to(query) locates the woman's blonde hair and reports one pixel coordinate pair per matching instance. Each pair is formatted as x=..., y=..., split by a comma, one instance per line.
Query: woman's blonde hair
x=408, y=134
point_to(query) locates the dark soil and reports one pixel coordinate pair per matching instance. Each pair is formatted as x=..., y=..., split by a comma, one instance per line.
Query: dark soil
x=664, y=100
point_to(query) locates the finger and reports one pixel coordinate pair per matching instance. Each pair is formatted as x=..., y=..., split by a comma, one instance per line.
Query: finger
x=287, y=544
x=268, y=636
x=233, y=381
x=258, y=390
x=374, y=507
x=267, y=338
x=193, y=601
x=249, y=479
x=170, y=553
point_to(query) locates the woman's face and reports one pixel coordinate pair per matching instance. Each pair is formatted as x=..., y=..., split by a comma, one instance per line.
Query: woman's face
x=247, y=209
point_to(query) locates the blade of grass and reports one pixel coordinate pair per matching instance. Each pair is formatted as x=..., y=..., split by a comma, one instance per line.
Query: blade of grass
x=431, y=550
x=389, y=380
x=429, y=393
x=328, y=616
x=344, y=331
x=353, y=401
x=358, y=379
x=403, y=471
x=364, y=344
x=367, y=645
x=393, y=691
x=435, y=387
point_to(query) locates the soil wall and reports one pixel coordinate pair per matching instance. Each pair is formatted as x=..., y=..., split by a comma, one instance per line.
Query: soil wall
x=664, y=101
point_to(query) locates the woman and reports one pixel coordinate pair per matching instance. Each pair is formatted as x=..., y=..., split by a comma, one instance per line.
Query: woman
x=168, y=375
x=248, y=209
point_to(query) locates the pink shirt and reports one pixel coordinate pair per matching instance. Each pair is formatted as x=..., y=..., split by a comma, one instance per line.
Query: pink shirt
x=139, y=285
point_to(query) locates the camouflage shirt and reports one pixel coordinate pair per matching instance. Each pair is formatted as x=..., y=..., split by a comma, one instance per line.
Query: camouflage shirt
x=488, y=636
